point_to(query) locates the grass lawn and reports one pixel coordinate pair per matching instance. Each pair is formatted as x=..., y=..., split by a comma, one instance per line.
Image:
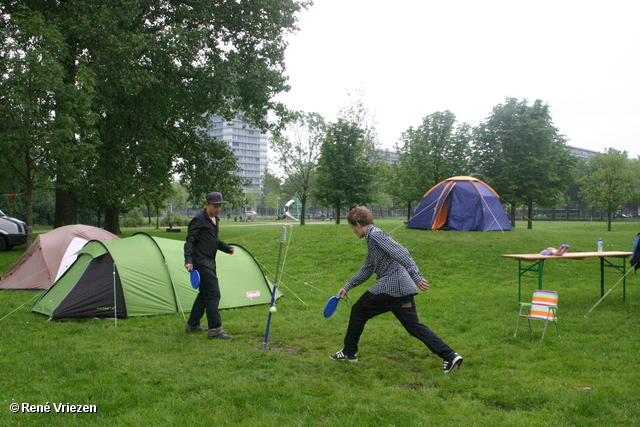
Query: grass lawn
x=147, y=371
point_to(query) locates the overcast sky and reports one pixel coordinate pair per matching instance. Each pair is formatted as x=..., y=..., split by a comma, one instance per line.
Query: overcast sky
x=411, y=58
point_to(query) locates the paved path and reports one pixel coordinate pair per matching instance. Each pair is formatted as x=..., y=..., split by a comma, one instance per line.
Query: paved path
x=250, y=223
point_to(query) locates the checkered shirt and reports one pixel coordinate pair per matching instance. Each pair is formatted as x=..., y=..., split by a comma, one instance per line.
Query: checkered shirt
x=396, y=272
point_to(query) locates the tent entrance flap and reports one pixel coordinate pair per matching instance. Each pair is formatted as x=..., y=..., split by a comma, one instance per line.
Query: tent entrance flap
x=96, y=300
x=441, y=218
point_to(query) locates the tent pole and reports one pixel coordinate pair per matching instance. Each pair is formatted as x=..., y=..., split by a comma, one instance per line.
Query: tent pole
x=175, y=291
x=115, y=296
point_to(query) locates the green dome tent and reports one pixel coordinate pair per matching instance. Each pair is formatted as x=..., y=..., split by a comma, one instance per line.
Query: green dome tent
x=145, y=276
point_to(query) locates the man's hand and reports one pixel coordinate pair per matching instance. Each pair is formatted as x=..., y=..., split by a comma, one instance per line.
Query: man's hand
x=423, y=285
x=189, y=266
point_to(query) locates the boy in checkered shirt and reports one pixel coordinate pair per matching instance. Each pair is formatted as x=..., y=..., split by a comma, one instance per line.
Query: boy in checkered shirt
x=398, y=281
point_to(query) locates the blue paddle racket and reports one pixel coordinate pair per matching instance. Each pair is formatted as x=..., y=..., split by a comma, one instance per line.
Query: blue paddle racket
x=195, y=278
x=330, y=306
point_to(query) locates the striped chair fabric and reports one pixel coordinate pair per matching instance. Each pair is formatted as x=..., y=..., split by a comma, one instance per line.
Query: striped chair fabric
x=543, y=306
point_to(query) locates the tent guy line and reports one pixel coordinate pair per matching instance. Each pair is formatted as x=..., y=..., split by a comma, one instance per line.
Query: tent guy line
x=19, y=307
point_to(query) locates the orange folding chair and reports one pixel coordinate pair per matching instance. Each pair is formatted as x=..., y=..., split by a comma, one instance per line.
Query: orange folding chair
x=543, y=306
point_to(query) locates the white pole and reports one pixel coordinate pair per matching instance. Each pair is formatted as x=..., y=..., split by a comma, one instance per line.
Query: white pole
x=115, y=296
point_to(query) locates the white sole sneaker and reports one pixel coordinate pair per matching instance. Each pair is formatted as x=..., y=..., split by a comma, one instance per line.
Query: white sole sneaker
x=453, y=364
x=341, y=356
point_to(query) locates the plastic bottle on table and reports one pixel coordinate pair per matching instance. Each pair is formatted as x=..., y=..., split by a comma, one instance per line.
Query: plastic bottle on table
x=600, y=245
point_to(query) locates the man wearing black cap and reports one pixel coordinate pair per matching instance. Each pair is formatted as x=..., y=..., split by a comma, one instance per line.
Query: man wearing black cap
x=200, y=254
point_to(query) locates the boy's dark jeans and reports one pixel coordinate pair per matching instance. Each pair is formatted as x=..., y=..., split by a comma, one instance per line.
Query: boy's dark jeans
x=404, y=308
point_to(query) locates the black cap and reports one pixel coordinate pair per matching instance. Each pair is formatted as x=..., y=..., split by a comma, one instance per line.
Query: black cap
x=215, y=198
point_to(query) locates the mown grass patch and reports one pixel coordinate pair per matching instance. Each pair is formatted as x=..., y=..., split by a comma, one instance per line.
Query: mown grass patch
x=147, y=370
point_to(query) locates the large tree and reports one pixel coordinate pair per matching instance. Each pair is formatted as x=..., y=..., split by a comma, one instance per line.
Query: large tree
x=522, y=155
x=153, y=69
x=296, y=154
x=346, y=168
x=434, y=151
x=610, y=182
x=45, y=122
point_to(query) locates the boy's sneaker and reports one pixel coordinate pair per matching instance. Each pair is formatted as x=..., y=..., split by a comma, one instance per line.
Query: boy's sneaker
x=453, y=363
x=342, y=356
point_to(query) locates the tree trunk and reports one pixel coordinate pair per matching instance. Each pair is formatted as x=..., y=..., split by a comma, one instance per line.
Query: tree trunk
x=149, y=215
x=29, y=210
x=112, y=220
x=338, y=213
x=512, y=215
x=530, y=216
x=66, y=208
x=29, y=188
x=408, y=211
x=303, y=210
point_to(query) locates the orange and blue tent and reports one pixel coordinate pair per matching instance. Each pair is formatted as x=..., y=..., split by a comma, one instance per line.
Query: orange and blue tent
x=460, y=203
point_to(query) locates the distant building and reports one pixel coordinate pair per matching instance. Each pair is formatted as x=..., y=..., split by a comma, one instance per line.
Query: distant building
x=249, y=146
x=582, y=153
x=389, y=157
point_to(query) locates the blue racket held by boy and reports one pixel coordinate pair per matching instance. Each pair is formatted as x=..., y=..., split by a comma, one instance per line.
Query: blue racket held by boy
x=331, y=306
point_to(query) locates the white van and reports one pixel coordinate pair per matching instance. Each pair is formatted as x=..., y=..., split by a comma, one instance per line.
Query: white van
x=13, y=232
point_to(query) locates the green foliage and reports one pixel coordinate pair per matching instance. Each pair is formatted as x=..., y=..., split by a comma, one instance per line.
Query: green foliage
x=611, y=181
x=129, y=222
x=120, y=91
x=272, y=190
x=346, y=168
x=519, y=152
x=297, y=153
x=209, y=166
x=143, y=369
x=175, y=221
x=438, y=149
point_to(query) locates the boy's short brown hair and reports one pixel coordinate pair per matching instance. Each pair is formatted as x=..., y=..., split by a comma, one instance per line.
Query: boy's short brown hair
x=360, y=215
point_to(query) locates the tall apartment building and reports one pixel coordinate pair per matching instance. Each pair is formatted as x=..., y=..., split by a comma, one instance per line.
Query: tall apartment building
x=249, y=146
x=582, y=153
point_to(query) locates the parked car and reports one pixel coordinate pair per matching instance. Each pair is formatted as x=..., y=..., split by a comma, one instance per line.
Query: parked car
x=13, y=232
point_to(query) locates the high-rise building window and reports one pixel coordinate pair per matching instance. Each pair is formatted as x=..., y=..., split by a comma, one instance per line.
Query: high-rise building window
x=248, y=144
